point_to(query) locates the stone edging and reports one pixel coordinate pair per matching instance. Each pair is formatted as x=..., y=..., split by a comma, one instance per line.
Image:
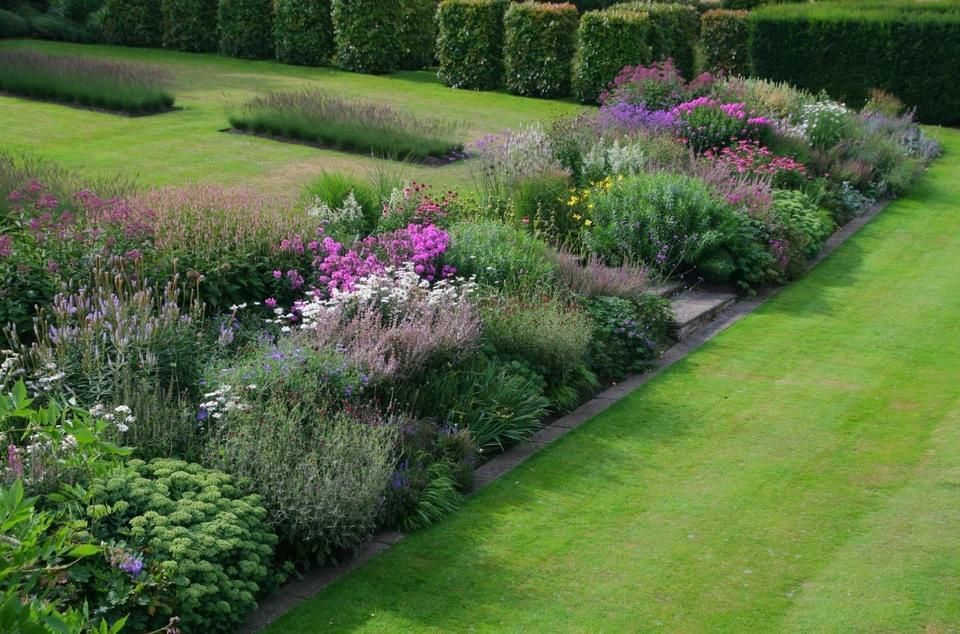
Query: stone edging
x=295, y=592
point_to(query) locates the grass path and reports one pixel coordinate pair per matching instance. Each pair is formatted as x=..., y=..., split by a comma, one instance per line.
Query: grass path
x=800, y=472
x=183, y=146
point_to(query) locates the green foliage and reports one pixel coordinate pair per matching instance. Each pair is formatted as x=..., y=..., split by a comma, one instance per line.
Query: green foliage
x=608, y=41
x=496, y=401
x=49, y=26
x=673, y=33
x=35, y=548
x=276, y=419
x=190, y=25
x=133, y=22
x=303, y=31
x=333, y=188
x=12, y=25
x=539, y=44
x=500, y=256
x=906, y=48
x=725, y=41
x=418, y=34
x=246, y=28
x=801, y=227
x=316, y=116
x=439, y=498
x=195, y=525
x=540, y=201
x=367, y=34
x=627, y=333
x=470, y=43
x=553, y=338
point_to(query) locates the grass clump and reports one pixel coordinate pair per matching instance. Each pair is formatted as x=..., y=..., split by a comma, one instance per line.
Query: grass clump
x=316, y=116
x=119, y=86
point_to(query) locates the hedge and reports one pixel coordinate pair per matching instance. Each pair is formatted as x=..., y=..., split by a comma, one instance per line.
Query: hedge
x=673, y=32
x=418, y=34
x=303, y=32
x=133, y=22
x=539, y=44
x=367, y=34
x=12, y=25
x=246, y=28
x=909, y=49
x=190, y=25
x=725, y=41
x=470, y=43
x=607, y=41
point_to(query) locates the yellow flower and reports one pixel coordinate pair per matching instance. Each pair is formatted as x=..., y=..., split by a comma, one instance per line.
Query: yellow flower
x=587, y=222
x=577, y=216
x=573, y=201
x=590, y=206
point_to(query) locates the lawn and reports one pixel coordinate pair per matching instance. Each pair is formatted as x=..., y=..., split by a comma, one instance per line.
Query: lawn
x=187, y=145
x=800, y=472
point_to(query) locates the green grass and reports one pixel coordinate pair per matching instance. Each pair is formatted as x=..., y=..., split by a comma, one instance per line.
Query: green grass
x=185, y=145
x=799, y=473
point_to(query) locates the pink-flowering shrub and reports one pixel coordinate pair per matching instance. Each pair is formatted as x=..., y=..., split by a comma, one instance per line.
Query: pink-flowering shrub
x=705, y=123
x=750, y=157
x=334, y=267
x=414, y=204
x=659, y=86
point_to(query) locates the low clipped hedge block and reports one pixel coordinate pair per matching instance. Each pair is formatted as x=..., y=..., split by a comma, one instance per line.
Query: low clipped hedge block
x=246, y=28
x=608, y=41
x=909, y=49
x=470, y=43
x=725, y=41
x=190, y=25
x=539, y=45
x=367, y=34
x=418, y=34
x=303, y=31
x=133, y=22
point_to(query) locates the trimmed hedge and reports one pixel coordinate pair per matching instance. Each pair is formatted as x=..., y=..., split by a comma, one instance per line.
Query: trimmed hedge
x=190, y=25
x=12, y=25
x=470, y=43
x=906, y=48
x=539, y=44
x=418, y=34
x=367, y=34
x=673, y=34
x=725, y=41
x=133, y=22
x=246, y=28
x=608, y=41
x=303, y=31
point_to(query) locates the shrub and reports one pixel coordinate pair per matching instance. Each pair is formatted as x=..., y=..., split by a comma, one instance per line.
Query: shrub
x=332, y=189
x=470, y=43
x=511, y=157
x=606, y=42
x=319, y=117
x=539, y=43
x=539, y=201
x=657, y=87
x=553, y=338
x=498, y=406
x=303, y=32
x=500, y=256
x=671, y=223
x=724, y=38
x=48, y=26
x=418, y=34
x=673, y=33
x=367, y=34
x=592, y=278
x=246, y=28
x=321, y=472
x=133, y=22
x=707, y=124
x=190, y=25
x=798, y=230
x=627, y=333
x=12, y=25
x=195, y=526
x=905, y=48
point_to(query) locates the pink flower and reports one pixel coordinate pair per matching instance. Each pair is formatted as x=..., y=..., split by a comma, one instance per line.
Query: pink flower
x=6, y=246
x=270, y=302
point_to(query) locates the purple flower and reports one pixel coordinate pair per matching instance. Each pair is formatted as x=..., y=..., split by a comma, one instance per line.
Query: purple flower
x=132, y=565
x=203, y=414
x=270, y=302
x=14, y=462
x=277, y=275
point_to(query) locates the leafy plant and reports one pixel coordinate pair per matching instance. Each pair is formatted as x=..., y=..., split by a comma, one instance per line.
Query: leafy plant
x=303, y=32
x=470, y=43
x=539, y=43
x=246, y=28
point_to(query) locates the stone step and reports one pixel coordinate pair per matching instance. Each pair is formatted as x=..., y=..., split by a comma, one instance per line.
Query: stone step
x=667, y=290
x=693, y=309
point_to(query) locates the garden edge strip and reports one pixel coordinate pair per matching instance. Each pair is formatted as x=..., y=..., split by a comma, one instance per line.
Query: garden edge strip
x=293, y=593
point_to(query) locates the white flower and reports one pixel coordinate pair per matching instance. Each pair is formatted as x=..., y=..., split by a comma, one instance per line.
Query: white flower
x=121, y=409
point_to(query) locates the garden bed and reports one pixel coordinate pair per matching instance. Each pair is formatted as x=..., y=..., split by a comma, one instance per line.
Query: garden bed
x=429, y=161
x=105, y=86
x=317, y=117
